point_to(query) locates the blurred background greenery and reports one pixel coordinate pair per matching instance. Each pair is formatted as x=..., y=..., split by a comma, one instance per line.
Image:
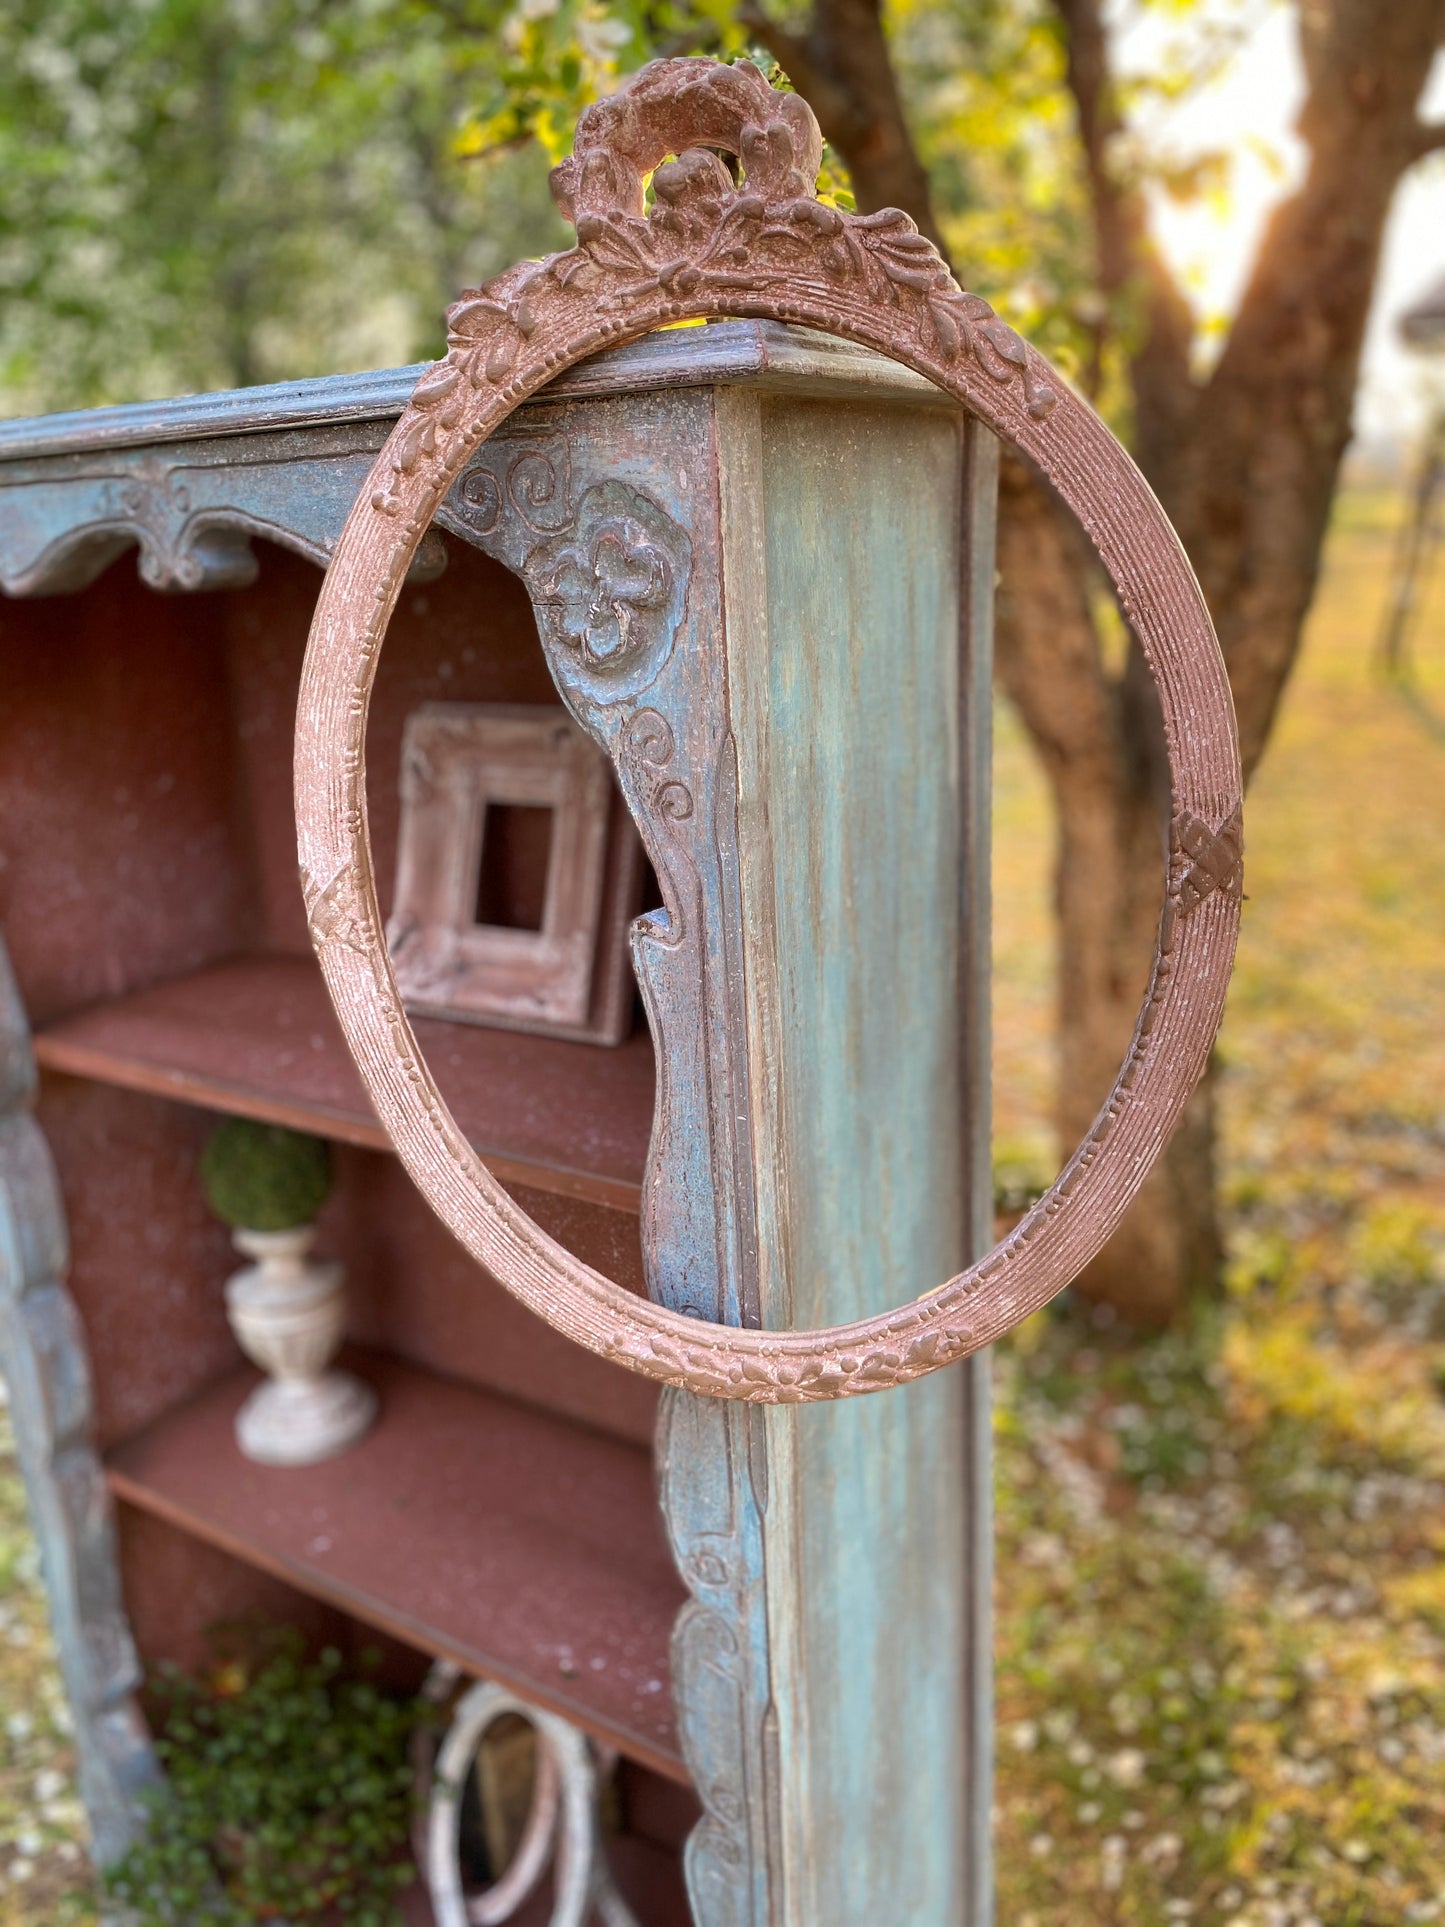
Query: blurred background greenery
x=203, y=193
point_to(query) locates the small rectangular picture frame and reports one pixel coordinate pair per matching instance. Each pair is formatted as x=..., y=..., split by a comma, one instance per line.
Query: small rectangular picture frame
x=518, y=874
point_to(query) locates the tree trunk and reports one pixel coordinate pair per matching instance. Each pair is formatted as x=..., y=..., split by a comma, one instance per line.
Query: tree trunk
x=1246, y=462
x=843, y=69
x=1101, y=748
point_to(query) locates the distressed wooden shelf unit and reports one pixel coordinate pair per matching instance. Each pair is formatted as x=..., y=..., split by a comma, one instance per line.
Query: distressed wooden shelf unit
x=504, y=1513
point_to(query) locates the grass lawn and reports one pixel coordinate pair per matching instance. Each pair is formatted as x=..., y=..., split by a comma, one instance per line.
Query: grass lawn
x=1221, y=1554
x=43, y=1875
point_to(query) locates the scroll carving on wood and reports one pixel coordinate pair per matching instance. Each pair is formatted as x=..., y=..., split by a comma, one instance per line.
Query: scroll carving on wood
x=648, y=704
x=710, y=1463
x=709, y=247
x=190, y=509
x=42, y=1352
x=647, y=574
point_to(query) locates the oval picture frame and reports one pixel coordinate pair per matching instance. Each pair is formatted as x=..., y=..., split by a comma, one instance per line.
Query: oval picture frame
x=708, y=247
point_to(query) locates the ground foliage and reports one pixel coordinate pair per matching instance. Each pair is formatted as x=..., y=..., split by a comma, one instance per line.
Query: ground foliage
x=43, y=1876
x=289, y=1795
x=1221, y=1553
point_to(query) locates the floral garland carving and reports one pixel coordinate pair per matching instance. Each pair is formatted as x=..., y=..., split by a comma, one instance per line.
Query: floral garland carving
x=707, y=242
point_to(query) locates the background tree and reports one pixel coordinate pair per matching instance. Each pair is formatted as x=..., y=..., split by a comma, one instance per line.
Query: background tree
x=188, y=188
x=1245, y=457
x=187, y=183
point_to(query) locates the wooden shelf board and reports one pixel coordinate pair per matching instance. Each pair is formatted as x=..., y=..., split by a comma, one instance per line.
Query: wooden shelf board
x=257, y=1037
x=524, y=1548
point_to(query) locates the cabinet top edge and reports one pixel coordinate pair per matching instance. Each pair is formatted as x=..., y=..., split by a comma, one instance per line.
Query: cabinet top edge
x=758, y=353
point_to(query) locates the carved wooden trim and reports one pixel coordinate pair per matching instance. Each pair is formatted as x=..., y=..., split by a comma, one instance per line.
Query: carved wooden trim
x=42, y=1353
x=713, y=1479
x=768, y=248
x=1216, y=857
x=191, y=509
x=528, y=495
x=191, y=480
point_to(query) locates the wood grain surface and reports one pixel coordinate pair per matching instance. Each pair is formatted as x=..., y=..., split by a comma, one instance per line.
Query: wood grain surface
x=473, y=1528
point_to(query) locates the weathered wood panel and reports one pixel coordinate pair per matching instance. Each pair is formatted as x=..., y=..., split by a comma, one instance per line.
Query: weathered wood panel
x=841, y=537
x=805, y=748
x=42, y=1355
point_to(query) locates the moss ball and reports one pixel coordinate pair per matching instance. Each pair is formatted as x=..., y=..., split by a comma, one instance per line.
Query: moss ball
x=261, y=1177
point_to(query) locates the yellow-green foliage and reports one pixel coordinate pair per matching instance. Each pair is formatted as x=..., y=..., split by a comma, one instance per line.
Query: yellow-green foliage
x=1370, y=1399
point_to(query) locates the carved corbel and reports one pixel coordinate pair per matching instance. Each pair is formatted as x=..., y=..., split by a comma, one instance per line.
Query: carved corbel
x=627, y=609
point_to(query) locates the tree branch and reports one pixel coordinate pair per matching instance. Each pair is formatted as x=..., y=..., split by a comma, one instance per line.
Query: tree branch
x=1125, y=253
x=1262, y=466
x=1116, y=219
x=841, y=66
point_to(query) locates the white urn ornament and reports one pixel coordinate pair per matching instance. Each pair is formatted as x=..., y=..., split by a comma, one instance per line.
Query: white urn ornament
x=286, y=1308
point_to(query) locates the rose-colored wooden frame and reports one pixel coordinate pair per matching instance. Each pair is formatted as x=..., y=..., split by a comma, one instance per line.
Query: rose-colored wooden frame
x=570, y=977
x=709, y=248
